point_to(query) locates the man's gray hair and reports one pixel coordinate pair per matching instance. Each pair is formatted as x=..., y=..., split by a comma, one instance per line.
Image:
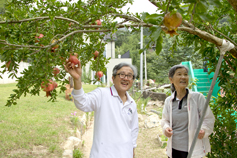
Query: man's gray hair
x=172, y=72
x=120, y=65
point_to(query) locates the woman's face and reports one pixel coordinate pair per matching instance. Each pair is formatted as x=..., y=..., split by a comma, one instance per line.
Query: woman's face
x=180, y=78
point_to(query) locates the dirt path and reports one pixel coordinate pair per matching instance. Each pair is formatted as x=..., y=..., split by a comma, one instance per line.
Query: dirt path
x=87, y=137
x=147, y=142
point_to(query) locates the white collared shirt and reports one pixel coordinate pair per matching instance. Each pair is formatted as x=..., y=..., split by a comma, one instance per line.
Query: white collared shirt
x=115, y=123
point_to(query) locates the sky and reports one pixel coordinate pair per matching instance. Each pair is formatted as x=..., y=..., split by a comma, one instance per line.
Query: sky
x=140, y=6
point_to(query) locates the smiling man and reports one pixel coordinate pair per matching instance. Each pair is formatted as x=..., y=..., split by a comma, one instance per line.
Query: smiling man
x=115, y=112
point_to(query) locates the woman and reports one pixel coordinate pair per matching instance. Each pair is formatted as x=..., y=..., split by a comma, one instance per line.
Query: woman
x=180, y=117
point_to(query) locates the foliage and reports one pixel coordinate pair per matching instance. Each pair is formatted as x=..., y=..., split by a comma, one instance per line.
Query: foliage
x=75, y=120
x=225, y=136
x=77, y=154
x=140, y=101
x=86, y=76
x=67, y=25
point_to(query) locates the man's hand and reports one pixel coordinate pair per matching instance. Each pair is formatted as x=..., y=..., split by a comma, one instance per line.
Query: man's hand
x=74, y=70
x=76, y=73
x=168, y=132
x=201, y=134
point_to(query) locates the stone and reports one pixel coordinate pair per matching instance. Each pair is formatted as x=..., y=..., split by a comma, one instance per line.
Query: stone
x=154, y=95
x=140, y=117
x=72, y=143
x=78, y=134
x=68, y=145
x=152, y=121
x=67, y=154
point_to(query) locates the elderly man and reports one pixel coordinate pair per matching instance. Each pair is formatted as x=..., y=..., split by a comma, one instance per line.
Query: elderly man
x=115, y=112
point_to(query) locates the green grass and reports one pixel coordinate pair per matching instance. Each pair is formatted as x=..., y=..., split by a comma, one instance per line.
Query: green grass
x=34, y=122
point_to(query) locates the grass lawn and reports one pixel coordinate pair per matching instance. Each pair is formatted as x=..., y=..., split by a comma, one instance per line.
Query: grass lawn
x=34, y=124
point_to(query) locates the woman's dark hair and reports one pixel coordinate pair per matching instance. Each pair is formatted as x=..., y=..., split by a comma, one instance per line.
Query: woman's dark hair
x=120, y=65
x=172, y=72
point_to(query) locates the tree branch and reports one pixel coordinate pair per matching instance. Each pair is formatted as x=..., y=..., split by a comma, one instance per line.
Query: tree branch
x=154, y=2
x=223, y=35
x=39, y=18
x=203, y=35
x=187, y=24
x=167, y=7
x=193, y=12
x=233, y=3
x=128, y=17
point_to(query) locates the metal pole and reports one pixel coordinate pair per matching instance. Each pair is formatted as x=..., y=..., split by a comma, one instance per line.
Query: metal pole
x=141, y=60
x=206, y=105
x=145, y=67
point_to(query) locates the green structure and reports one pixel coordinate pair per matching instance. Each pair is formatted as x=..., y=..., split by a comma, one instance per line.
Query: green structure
x=203, y=80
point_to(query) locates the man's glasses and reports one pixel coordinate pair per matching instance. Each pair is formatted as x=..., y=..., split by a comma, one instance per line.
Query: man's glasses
x=122, y=75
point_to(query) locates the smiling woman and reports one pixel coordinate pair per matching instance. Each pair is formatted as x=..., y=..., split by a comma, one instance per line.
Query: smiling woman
x=181, y=114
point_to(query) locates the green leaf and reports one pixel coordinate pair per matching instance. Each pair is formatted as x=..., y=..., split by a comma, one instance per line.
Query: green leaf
x=155, y=19
x=159, y=45
x=206, y=17
x=201, y=7
x=215, y=3
x=190, y=1
x=156, y=32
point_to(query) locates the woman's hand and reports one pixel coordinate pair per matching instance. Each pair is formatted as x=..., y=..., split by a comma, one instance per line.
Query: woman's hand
x=168, y=132
x=201, y=134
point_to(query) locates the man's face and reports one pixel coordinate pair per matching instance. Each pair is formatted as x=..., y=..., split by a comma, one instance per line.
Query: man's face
x=123, y=84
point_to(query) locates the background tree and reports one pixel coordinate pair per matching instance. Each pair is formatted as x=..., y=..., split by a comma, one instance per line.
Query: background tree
x=157, y=65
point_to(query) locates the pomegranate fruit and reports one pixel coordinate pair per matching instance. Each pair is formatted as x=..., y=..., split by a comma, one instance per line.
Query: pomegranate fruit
x=48, y=87
x=96, y=54
x=56, y=71
x=55, y=46
x=75, y=54
x=172, y=21
x=171, y=32
x=73, y=59
x=8, y=64
x=98, y=22
x=99, y=74
x=48, y=93
x=70, y=24
x=55, y=85
x=38, y=37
